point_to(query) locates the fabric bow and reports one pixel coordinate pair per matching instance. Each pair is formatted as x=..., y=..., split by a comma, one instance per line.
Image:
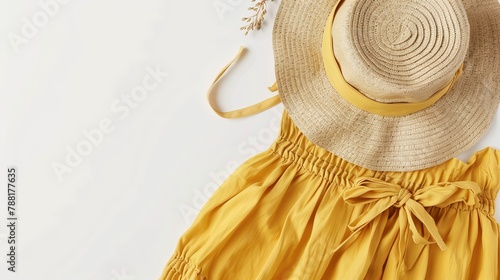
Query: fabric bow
x=381, y=195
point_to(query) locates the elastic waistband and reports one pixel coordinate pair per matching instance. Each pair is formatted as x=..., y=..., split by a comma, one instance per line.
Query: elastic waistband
x=293, y=146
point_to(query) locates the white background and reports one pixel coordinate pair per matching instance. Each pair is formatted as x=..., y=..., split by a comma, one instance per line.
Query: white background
x=120, y=211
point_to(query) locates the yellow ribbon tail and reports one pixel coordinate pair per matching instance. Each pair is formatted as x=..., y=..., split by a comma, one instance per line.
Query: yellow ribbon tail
x=274, y=87
x=246, y=111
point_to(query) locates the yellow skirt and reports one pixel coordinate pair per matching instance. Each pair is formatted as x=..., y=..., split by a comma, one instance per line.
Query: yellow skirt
x=297, y=211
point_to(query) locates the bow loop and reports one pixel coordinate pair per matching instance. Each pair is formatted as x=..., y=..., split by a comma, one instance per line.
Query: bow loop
x=446, y=193
x=366, y=190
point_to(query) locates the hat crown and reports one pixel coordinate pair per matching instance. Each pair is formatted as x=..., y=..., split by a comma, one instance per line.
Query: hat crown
x=400, y=50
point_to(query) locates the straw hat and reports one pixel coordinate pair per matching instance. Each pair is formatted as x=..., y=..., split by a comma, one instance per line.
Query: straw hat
x=390, y=85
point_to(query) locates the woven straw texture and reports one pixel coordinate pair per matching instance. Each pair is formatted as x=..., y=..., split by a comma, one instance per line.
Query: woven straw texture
x=400, y=51
x=412, y=142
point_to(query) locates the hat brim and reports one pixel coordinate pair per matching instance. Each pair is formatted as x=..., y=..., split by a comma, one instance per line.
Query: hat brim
x=412, y=142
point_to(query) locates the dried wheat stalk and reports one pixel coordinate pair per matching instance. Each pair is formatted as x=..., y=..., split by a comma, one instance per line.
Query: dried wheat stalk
x=255, y=21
